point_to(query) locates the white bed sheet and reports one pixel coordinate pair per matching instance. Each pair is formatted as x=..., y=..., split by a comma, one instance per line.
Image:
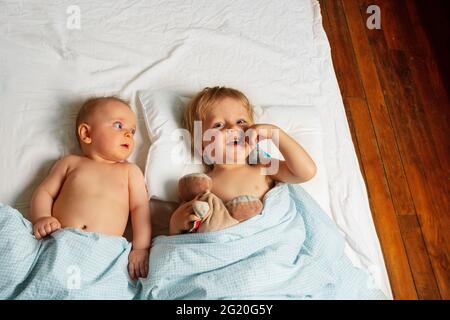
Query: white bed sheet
x=274, y=51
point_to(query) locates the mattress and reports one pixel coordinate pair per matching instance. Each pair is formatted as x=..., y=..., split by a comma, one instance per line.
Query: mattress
x=55, y=55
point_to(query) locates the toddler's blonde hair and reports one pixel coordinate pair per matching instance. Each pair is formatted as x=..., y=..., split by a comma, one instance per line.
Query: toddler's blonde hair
x=200, y=104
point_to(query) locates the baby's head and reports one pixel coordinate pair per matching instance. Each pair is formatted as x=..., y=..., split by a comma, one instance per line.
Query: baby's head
x=105, y=128
x=225, y=114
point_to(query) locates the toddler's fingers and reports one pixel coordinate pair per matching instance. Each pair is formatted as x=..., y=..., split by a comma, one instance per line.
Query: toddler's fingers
x=188, y=207
x=188, y=221
x=184, y=205
x=193, y=217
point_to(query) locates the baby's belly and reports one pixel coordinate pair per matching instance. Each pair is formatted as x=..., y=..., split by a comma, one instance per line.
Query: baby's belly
x=94, y=214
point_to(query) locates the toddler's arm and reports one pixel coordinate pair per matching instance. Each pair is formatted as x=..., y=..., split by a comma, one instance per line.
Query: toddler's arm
x=43, y=197
x=298, y=166
x=140, y=222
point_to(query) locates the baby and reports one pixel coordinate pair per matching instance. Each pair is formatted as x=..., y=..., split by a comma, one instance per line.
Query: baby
x=226, y=115
x=97, y=191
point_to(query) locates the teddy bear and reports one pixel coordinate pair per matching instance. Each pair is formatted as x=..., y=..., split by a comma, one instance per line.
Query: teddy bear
x=214, y=213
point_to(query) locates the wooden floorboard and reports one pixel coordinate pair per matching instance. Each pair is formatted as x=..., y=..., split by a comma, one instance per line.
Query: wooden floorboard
x=395, y=92
x=416, y=150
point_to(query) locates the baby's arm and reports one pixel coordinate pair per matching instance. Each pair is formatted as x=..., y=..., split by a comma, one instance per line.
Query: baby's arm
x=140, y=222
x=43, y=197
x=298, y=166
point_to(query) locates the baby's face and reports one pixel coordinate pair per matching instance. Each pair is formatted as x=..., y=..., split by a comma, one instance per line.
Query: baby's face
x=227, y=121
x=112, y=131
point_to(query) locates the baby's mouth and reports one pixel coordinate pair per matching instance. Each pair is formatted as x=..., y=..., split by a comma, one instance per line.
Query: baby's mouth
x=125, y=145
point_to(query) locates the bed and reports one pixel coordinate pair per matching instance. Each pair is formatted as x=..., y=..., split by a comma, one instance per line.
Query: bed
x=276, y=52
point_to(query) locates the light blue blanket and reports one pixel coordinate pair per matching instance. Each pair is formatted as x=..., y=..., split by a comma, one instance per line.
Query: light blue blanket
x=291, y=251
x=69, y=264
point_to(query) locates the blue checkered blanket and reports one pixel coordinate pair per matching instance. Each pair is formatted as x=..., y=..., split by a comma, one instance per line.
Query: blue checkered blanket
x=291, y=251
x=68, y=264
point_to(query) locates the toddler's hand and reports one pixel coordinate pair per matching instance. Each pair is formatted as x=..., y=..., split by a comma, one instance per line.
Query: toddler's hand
x=183, y=218
x=138, y=263
x=258, y=132
x=45, y=226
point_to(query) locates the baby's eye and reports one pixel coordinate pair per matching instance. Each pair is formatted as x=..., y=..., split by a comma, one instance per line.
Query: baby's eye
x=133, y=131
x=118, y=125
x=241, y=121
x=218, y=125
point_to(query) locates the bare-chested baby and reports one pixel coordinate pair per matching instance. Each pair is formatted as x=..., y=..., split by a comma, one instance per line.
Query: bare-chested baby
x=97, y=191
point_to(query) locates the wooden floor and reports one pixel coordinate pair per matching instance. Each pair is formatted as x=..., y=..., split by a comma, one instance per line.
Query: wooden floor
x=395, y=86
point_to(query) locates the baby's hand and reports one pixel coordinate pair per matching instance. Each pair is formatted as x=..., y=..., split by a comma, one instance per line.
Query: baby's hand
x=138, y=263
x=45, y=226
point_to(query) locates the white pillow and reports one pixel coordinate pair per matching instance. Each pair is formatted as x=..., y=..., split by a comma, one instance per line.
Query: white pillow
x=168, y=155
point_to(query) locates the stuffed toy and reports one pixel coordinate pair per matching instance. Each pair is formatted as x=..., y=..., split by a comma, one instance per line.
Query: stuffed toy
x=215, y=215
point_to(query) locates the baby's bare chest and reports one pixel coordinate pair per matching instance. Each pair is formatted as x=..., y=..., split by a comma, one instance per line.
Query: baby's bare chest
x=97, y=179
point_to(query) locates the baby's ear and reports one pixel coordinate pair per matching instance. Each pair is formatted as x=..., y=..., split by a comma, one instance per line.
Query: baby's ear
x=84, y=132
